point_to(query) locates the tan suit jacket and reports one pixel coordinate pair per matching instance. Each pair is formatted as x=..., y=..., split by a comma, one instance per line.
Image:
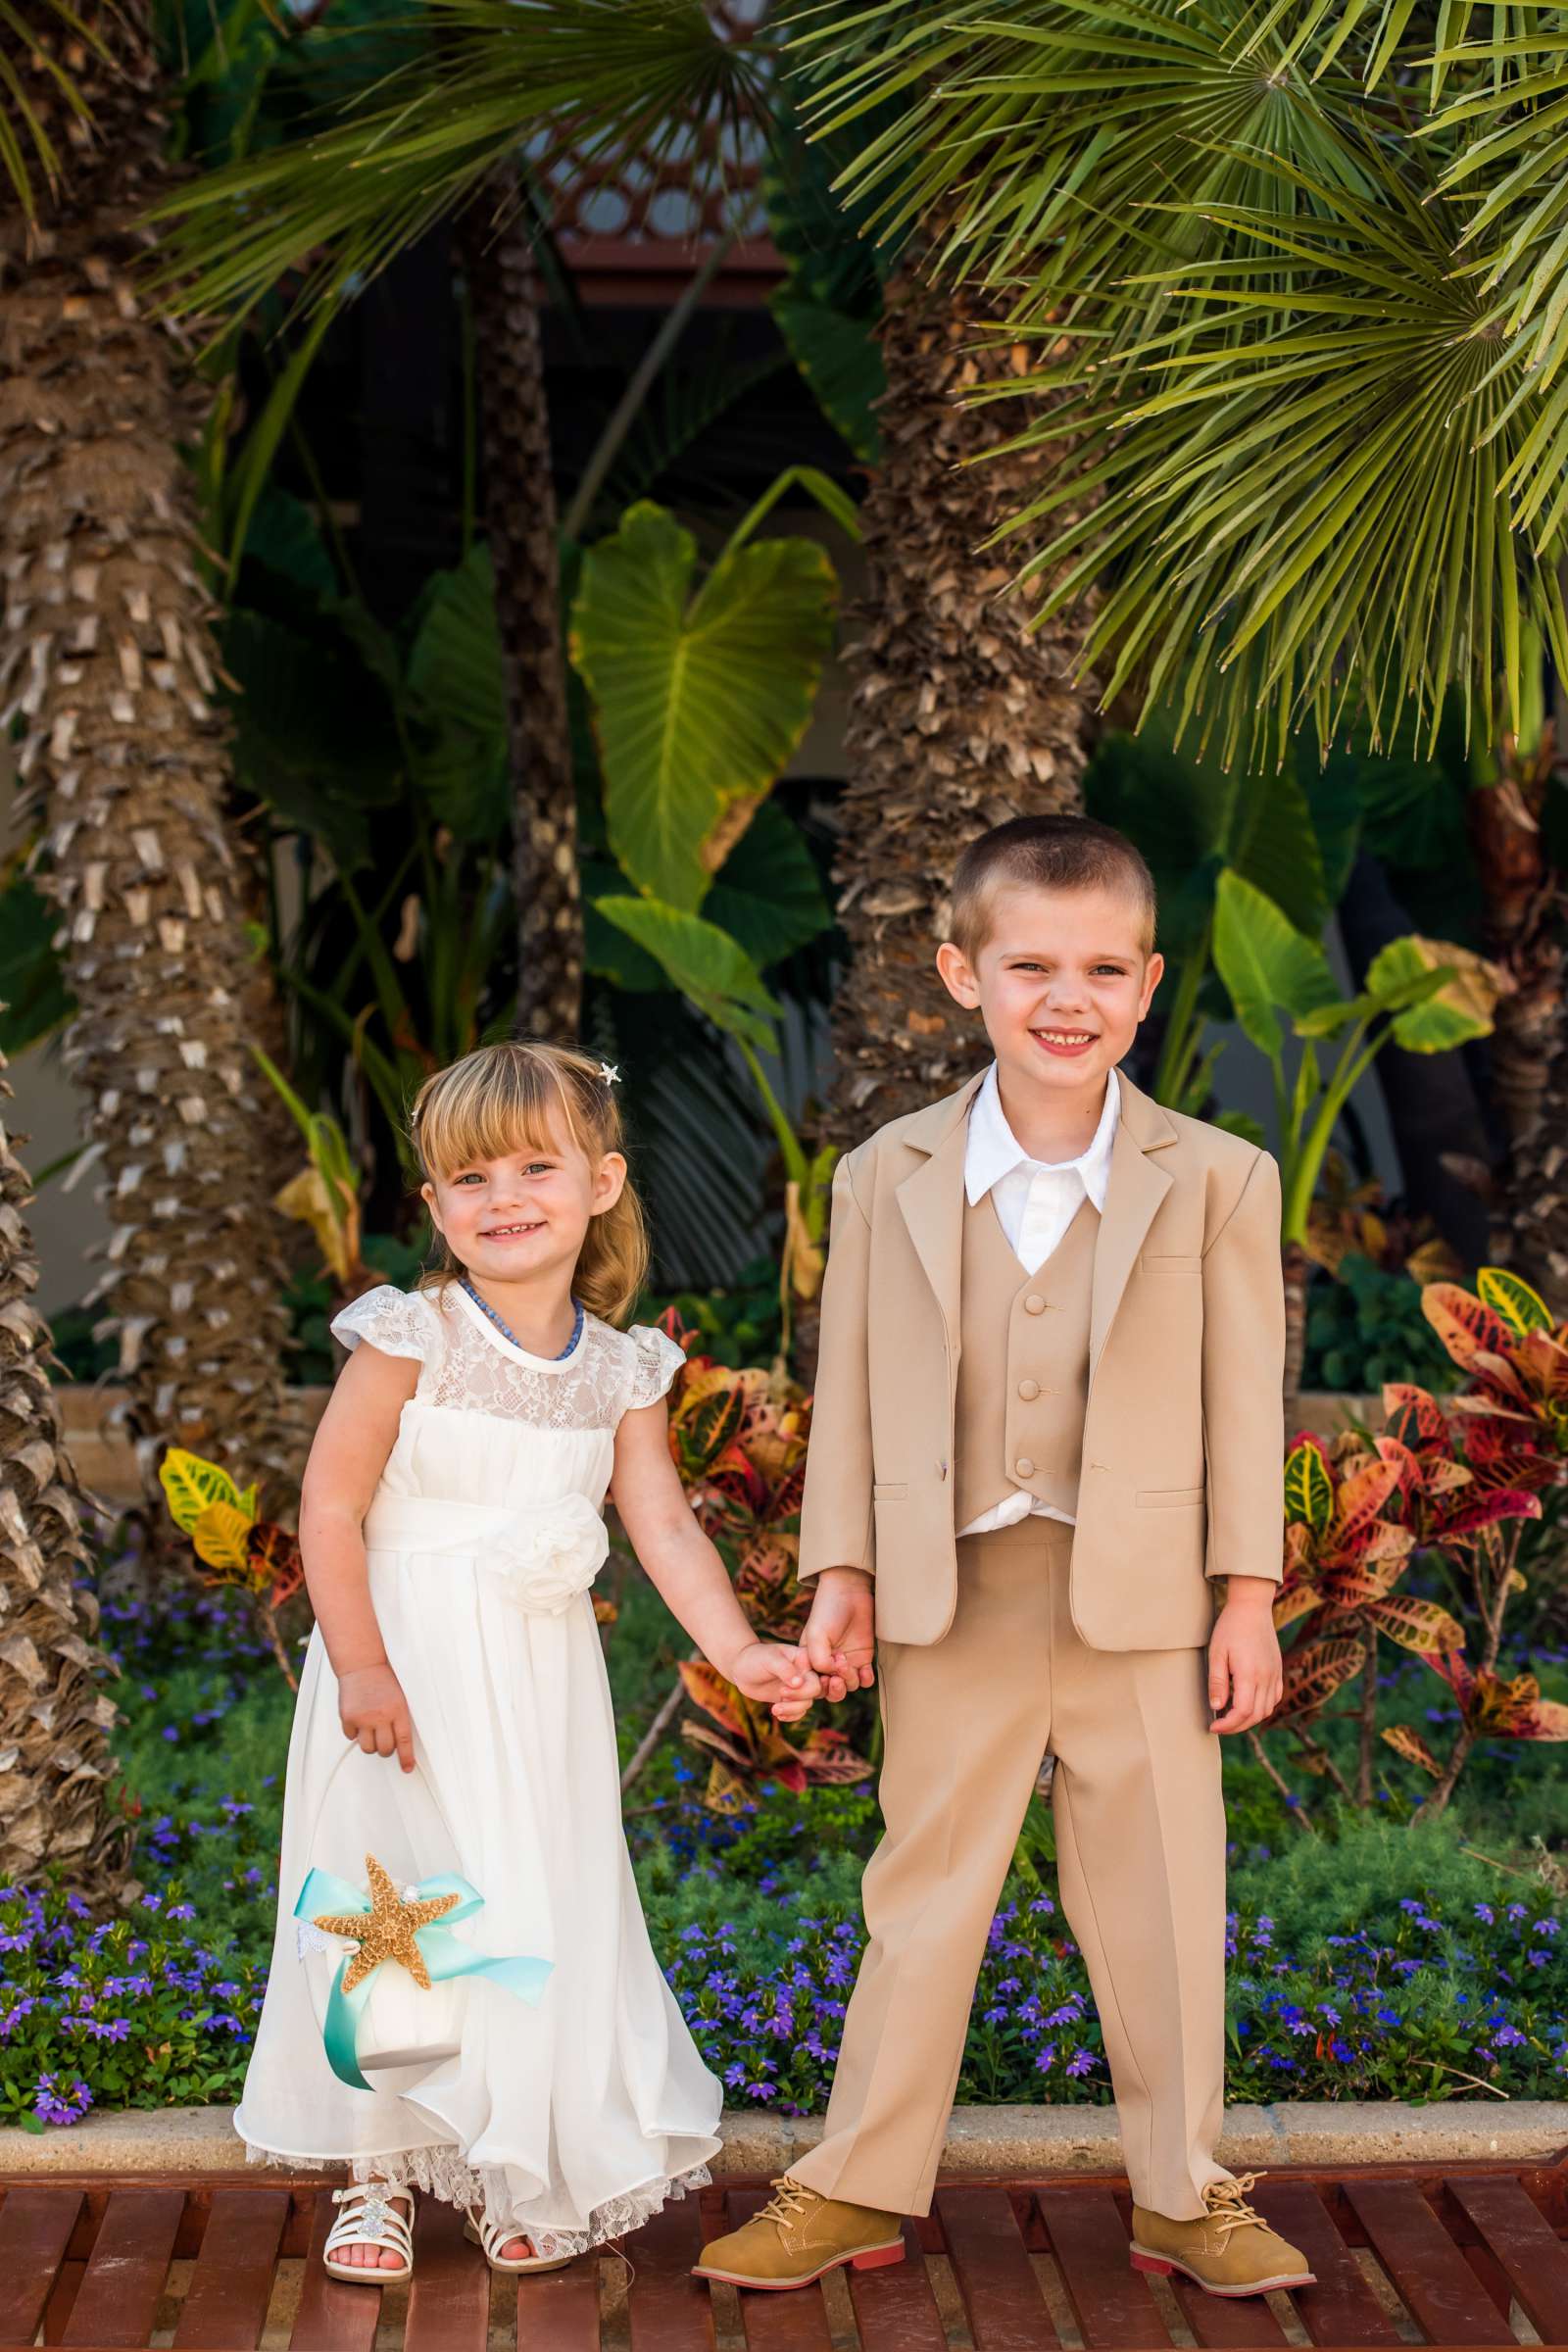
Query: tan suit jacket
x=1184, y=1429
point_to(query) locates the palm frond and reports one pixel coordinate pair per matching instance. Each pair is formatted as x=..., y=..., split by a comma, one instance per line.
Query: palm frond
x=499, y=81
x=1302, y=483
x=48, y=52
x=1037, y=141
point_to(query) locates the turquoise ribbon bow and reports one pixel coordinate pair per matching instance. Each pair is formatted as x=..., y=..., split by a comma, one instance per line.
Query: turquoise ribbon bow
x=444, y=1957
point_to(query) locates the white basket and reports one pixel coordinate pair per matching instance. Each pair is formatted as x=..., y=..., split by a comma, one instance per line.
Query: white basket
x=402, y=2025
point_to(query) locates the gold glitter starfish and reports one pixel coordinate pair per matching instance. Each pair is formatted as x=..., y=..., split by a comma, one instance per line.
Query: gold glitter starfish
x=386, y=1931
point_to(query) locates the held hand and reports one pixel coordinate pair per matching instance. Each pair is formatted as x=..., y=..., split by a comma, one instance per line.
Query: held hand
x=1244, y=1674
x=840, y=1638
x=373, y=1711
x=777, y=1673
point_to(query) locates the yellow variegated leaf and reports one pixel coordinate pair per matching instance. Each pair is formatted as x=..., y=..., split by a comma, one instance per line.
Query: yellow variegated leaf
x=726, y=1792
x=1308, y=1487
x=1418, y=1625
x=1405, y=1740
x=332, y=1213
x=1520, y=1308
x=190, y=1483
x=222, y=1537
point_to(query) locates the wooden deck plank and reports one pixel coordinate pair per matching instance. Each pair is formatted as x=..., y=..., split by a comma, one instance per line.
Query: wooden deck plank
x=1442, y=2291
x=332, y=2316
x=559, y=2310
x=895, y=2309
x=793, y=2322
x=36, y=2226
x=1531, y=2256
x=1089, y=2239
x=667, y=2308
x=1218, y=2321
x=449, y=2297
x=1342, y=2308
x=126, y=2269
x=226, y=2304
x=1002, y=2297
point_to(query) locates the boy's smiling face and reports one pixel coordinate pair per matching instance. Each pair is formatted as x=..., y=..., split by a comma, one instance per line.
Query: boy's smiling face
x=1061, y=983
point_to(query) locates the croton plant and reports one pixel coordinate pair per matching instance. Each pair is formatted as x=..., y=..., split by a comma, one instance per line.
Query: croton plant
x=739, y=1441
x=1462, y=1477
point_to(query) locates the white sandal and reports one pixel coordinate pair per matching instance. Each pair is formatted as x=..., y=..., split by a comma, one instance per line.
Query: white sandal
x=493, y=2236
x=372, y=2219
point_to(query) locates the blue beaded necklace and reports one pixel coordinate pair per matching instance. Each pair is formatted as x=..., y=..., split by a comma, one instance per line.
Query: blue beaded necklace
x=507, y=1332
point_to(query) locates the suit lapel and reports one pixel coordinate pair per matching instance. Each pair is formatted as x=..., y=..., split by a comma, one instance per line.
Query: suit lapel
x=932, y=1199
x=1137, y=1186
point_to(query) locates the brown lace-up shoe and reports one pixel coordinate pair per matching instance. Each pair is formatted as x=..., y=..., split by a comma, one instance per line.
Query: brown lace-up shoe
x=1230, y=2250
x=797, y=2237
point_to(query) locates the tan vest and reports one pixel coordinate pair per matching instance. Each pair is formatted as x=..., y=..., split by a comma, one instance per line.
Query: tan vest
x=1020, y=1418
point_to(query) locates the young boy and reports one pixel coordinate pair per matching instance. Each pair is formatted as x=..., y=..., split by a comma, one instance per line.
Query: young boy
x=1047, y=1426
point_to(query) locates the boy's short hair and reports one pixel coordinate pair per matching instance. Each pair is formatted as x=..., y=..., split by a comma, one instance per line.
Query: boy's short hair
x=1045, y=852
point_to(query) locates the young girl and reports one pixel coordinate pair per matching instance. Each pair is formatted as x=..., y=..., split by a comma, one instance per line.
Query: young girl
x=543, y=2079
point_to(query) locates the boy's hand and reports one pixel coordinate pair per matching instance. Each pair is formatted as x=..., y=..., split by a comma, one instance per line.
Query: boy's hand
x=777, y=1673
x=840, y=1638
x=372, y=1710
x=1244, y=1674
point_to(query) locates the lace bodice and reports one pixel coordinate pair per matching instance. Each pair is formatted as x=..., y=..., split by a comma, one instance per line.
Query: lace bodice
x=466, y=1362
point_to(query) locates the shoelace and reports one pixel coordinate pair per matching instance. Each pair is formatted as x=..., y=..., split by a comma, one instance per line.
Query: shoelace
x=1228, y=2207
x=790, y=2201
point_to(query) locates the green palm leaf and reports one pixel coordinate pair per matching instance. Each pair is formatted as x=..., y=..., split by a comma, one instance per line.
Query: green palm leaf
x=602, y=77
x=1300, y=482
x=36, y=80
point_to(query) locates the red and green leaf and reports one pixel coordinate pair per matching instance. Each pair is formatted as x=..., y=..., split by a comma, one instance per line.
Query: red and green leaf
x=1314, y=1672
x=1464, y=1323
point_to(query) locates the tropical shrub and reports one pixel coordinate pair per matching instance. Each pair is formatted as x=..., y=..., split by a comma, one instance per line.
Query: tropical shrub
x=1365, y=1326
x=1460, y=1485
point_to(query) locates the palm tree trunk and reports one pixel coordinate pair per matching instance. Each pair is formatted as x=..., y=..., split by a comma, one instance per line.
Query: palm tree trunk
x=1524, y=934
x=959, y=719
x=54, y=1715
x=520, y=507
x=108, y=660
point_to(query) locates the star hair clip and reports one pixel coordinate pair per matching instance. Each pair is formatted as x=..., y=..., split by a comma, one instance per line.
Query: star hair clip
x=608, y=1073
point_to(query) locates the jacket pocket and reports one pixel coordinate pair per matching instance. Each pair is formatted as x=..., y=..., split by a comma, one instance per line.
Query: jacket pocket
x=1170, y=1499
x=893, y=1494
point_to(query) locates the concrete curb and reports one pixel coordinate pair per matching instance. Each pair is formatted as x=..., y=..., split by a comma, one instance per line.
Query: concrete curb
x=981, y=2140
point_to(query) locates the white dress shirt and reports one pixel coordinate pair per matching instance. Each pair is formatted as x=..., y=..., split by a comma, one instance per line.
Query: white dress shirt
x=1036, y=1201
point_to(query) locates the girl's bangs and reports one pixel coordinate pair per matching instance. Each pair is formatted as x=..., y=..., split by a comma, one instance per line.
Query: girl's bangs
x=514, y=1107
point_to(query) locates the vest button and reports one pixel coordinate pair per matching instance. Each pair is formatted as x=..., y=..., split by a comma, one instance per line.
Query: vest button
x=1034, y=1305
x=1024, y=1466
x=1028, y=1390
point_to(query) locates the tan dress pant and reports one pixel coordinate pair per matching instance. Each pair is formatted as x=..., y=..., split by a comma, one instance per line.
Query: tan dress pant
x=1140, y=1846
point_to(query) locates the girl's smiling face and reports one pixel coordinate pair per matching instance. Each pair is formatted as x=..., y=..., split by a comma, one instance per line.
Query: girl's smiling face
x=525, y=1215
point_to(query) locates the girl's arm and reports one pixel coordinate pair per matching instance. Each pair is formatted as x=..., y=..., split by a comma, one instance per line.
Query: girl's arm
x=355, y=1435
x=688, y=1572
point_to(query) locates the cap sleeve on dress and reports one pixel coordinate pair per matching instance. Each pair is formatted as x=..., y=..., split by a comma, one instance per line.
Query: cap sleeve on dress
x=398, y=1322
x=655, y=1360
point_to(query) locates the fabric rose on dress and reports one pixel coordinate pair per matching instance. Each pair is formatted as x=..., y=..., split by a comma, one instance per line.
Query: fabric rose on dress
x=545, y=1555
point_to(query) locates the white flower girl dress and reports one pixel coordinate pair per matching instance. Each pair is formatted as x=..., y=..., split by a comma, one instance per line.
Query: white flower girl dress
x=575, y=2112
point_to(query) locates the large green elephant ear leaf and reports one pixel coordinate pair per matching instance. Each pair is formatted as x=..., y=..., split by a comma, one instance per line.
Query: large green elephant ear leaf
x=705, y=963
x=1267, y=965
x=1448, y=1013
x=698, y=700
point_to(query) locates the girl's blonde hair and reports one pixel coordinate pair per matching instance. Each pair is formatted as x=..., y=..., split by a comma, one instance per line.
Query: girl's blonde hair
x=501, y=1098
